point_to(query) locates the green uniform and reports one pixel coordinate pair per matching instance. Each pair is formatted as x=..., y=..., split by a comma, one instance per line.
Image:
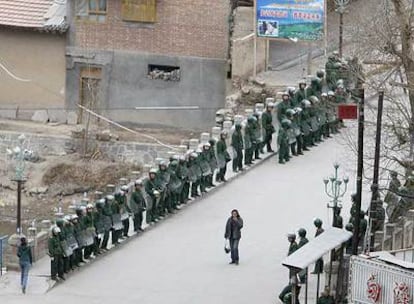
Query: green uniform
x=283, y=142
x=300, y=95
x=137, y=205
x=56, y=256
x=150, y=186
x=249, y=143
x=293, y=247
x=268, y=129
x=237, y=144
x=222, y=159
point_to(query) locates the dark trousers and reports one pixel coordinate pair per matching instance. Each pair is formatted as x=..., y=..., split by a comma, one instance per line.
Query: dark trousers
x=234, y=250
x=248, y=156
x=185, y=192
x=194, y=188
x=138, y=220
x=56, y=266
x=105, y=240
x=268, y=141
x=238, y=161
x=126, y=226
x=293, y=149
x=222, y=173
x=299, y=142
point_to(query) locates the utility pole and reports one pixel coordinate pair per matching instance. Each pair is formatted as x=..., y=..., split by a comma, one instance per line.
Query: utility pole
x=360, y=167
x=374, y=207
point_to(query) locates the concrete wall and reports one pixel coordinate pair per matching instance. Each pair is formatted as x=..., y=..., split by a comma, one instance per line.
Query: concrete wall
x=242, y=49
x=125, y=85
x=39, y=57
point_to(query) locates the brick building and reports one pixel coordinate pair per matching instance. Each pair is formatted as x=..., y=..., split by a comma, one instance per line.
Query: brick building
x=123, y=54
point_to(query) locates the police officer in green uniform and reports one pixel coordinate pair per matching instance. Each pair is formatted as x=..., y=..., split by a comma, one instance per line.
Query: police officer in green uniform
x=222, y=157
x=212, y=160
x=319, y=230
x=293, y=131
x=306, y=124
x=257, y=141
x=137, y=205
x=300, y=94
x=193, y=174
x=183, y=174
x=60, y=223
x=88, y=223
x=267, y=126
x=116, y=213
x=124, y=209
x=302, y=242
x=107, y=211
x=152, y=190
x=283, y=106
x=296, y=125
x=283, y=141
x=98, y=221
x=237, y=144
x=56, y=255
x=249, y=141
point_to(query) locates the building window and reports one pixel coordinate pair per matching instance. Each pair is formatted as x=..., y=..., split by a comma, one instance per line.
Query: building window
x=139, y=10
x=164, y=72
x=94, y=10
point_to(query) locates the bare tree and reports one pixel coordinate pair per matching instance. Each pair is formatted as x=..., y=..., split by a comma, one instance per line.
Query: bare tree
x=382, y=35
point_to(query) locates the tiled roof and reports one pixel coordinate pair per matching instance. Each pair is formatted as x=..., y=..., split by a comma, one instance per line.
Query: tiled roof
x=35, y=14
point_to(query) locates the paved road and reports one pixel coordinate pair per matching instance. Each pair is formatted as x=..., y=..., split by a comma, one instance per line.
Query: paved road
x=182, y=260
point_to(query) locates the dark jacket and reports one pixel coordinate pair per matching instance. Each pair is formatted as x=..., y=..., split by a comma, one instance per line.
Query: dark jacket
x=233, y=228
x=25, y=254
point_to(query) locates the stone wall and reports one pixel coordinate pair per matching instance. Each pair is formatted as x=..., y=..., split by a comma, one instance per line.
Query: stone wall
x=44, y=145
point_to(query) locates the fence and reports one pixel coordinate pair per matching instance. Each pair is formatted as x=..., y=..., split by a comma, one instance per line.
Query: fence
x=3, y=244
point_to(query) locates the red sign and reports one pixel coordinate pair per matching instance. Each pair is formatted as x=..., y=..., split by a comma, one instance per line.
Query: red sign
x=373, y=289
x=347, y=111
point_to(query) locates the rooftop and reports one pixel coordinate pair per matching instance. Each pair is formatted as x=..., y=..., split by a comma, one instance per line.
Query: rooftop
x=43, y=15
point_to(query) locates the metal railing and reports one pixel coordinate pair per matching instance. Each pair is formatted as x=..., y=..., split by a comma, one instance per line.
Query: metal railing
x=3, y=243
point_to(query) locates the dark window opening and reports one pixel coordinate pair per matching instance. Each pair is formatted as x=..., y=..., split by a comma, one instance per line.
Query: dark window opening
x=164, y=72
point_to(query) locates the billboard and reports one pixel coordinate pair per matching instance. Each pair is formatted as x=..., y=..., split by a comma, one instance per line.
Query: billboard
x=295, y=19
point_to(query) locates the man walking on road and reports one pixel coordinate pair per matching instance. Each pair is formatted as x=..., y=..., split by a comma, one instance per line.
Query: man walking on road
x=233, y=234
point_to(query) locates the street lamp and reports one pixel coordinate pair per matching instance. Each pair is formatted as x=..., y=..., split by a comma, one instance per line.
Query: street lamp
x=340, y=9
x=17, y=154
x=335, y=189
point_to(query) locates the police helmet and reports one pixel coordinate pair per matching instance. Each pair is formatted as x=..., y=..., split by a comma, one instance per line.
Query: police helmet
x=291, y=236
x=349, y=227
x=302, y=232
x=138, y=182
x=306, y=103
x=313, y=99
x=331, y=93
x=320, y=73
x=56, y=230
x=317, y=222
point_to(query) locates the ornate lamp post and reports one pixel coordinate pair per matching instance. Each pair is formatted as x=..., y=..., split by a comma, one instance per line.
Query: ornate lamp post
x=18, y=158
x=340, y=9
x=335, y=189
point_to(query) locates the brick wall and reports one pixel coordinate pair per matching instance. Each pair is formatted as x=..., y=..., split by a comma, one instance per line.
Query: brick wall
x=196, y=28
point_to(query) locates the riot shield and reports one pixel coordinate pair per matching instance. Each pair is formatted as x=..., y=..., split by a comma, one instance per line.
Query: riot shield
x=117, y=222
x=72, y=242
x=107, y=222
x=67, y=250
